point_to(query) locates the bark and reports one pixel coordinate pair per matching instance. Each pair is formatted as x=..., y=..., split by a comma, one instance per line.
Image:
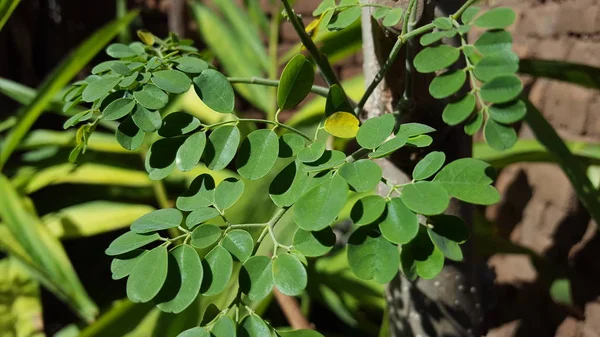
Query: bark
x=450, y=304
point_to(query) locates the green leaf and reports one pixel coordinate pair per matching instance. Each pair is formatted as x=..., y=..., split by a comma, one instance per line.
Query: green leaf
x=118, y=108
x=580, y=74
x=560, y=291
x=436, y=58
x=119, y=50
x=447, y=232
x=344, y=19
x=205, y=236
x=224, y=327
x=420, y=141
x=319, y=207
x=499, y=137
x=368, y=209
x=469, y=14
x=362, y=175
x=371, y=256
x=495, y=65
x=508, y=113
x=239, y=243
x=253, y=326
x=323, y=6
x=390, y=146
x=496, y=18
x=151, y=97
x=375, y=131
x=195, y=332
x=429, y=165
x=447, y=84
x=218, y=266
x=421, y=258
x=228, y=192
x=400, y=224
x=215, y=91
x=129, y=135
x=257, y=154
x=312, y=152
x=201, y=193
x=130, y=241
x=316, y=243
x=183, y=280
x=146, y=120
x=289, y=275
x=256, y=277
x=425, y=197
x=59, y=77
x=457, y=112
x=572, y=167
x=337, y=101
x=158, y=220
x=221, y=147
x=200, y=215
x=290, y=144
x=431, y=38
x=381, y=12
x=189, y=153
x=6, y=9
x=288, y=185
x=148, y=276
x=299, y=333
x=122, y=265
x=443, y=23
x=491, y=42
x=120, y=69
x=160, y=159
x=173, y=81
x=393, y=17
x=329, y=160
x=177, y=124
x=469, y=180
x=40, y=252
x=296, y=81
x=192, y=65
x=414, y=129
x=99, y=88
x=474, y=124
x=501, y=89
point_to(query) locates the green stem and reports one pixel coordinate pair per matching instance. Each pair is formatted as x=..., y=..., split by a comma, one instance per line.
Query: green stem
x=273, y=44
x=321, y=91
x=408, y=26
x=255, y=120
x=321, y=61
x=462, y=9
x=358, y=154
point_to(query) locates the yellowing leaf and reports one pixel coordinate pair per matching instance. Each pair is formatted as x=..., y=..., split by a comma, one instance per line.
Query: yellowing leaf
x=313, y=28
x=146, y=37
x=342, y=125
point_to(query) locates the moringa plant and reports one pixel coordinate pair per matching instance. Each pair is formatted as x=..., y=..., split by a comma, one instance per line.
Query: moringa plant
x=405, y=230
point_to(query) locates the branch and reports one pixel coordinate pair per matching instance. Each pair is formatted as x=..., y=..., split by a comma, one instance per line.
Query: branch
x=320, y=60
x=292, y=311
x=321, y=91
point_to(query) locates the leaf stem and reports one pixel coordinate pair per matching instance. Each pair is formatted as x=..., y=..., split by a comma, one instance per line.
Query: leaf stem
x=321, y=91
x=256, y=120
x=273, y=44
x=321, y=61
x=462, y=9
x=358, y=154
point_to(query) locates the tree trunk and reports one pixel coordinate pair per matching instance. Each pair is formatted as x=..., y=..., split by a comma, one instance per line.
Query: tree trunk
x=450, y=304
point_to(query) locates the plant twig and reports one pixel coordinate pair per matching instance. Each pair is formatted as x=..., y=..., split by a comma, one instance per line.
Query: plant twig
x=291, y=310
x=321, y=61
x=321, y=91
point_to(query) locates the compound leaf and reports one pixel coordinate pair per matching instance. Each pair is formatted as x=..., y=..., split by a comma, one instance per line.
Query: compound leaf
x=469, y=180
x=375, y=131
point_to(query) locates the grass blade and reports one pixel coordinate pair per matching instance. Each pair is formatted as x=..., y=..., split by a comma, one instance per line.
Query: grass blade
x=571, y=165
x=42, y=252
x=58, y=79
x=580, y=74
x=6, y=9
x=530, y=150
